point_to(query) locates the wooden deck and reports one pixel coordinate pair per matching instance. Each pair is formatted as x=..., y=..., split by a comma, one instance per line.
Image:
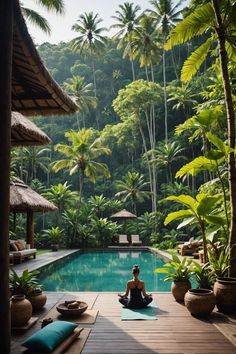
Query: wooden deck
x=174, y=332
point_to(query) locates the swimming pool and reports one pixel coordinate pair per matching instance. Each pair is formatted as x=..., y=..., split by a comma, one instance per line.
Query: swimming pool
x=102, y=271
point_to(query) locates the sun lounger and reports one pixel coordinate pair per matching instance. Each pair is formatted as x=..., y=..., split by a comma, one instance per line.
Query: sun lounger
x=135, y=240
x=123, y=240
x=188, y=248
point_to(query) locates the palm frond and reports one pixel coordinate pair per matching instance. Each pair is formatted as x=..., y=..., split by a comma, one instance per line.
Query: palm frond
x=195, y=60
x=193, y=25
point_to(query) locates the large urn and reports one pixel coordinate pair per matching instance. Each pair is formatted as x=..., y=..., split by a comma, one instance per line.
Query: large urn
x=225, y=293
x=38, y=299
x=200, y=302
x=179, y=289
x=21, y=310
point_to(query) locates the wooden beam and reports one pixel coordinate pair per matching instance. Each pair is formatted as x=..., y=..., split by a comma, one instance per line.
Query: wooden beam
x=30, y=228
x=6, y=32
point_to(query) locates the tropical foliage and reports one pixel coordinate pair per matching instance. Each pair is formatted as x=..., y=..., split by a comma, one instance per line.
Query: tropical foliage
x=169, y=124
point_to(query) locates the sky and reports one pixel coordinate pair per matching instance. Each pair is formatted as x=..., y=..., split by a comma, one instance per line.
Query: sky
x=61, y=24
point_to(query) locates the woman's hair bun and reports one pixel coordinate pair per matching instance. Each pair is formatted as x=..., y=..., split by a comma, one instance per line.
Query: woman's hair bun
x=135, y=266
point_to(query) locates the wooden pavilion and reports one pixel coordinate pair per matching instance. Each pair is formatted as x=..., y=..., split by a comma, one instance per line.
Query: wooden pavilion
x=23, y=199
x=28, y=88
x=26, y=133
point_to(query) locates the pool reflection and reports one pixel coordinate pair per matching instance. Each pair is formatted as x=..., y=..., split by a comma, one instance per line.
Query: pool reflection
x=102, y=271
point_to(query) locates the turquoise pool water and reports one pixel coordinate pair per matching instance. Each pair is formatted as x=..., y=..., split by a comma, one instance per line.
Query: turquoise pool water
x=102, y=271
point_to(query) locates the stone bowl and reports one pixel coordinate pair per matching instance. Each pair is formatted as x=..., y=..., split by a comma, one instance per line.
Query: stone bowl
x=62, y=308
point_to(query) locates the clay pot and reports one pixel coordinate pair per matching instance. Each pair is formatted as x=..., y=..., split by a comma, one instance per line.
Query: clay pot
x=179, y=289
x=37, y=299
x=200, y=302
x=225, y=293
x=21, y=310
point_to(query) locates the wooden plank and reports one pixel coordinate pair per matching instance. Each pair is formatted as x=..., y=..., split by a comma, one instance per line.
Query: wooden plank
x=175, y=331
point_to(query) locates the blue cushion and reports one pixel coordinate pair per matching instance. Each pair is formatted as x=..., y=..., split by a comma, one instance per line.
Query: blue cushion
x=50, y=336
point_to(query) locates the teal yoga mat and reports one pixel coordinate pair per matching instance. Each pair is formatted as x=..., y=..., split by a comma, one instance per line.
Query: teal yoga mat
x=147, y=313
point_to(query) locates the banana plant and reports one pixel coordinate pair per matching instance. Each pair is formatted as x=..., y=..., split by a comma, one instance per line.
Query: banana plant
x=211, y=162
x=199, y=210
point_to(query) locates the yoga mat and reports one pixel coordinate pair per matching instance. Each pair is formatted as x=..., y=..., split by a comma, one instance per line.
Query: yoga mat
x=146, y=313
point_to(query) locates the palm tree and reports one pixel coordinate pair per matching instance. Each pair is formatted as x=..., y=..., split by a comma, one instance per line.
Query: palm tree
x=98, y=204
x=82, y=92
x=164, y=156
x=145, y=43
x=34, y=158
x=37, y=19
x=127, y=20
x=61, y=196
x=133, y=188
x=166, y=16
x=217, y=20
x=183, y=96
x=80, y=155
x=90, y=42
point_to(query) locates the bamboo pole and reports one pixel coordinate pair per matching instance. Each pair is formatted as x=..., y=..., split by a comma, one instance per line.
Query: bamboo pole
x=6, y=31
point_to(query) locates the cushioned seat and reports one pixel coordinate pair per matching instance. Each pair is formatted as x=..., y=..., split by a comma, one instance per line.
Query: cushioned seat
x=188, y=248
x=19, y=251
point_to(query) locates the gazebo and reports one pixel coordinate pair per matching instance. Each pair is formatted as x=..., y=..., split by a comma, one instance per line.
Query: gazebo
x=26, y=87
x=123, y=215
x=23, y=199
x=26, y=133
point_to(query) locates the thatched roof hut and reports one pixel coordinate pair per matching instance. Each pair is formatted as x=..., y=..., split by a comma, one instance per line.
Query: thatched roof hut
x=34, y=91
x=25, y=199
x=123, y=214
x=26, y=133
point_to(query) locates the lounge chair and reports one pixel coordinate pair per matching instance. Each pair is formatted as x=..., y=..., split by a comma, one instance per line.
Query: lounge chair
x=123, y=240
x=188, y=248
x=135, y=240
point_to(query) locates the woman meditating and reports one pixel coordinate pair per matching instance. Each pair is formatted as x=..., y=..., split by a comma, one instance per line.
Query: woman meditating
x=138, y=296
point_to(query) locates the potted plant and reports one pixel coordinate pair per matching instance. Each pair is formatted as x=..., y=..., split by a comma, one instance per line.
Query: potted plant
x=203, y=275
x=201, y=301
x=54, y=234
x=178, y=271
x=27, y=284
x=224, y=287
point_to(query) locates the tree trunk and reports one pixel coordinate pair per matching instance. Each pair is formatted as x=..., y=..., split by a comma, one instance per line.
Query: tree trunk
x=132, y=65
x=165, y=96
x=94, y=80
x=6, y=32
x=220, y=30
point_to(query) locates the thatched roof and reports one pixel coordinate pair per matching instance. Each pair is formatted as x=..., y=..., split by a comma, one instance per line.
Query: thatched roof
x=23, y=198
x=26, y=133
x=123, y=214
x=34, y=91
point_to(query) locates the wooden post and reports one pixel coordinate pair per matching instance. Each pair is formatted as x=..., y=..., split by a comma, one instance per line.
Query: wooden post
x=14, y=221
x=30, y=228
x=6, y=31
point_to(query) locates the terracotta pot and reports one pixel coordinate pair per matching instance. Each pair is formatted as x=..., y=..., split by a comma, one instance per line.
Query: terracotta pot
x=38, y=300
x=179, y=289
x=54, y=247
x=225, y=293
x=200, y=302
x=21, y=310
